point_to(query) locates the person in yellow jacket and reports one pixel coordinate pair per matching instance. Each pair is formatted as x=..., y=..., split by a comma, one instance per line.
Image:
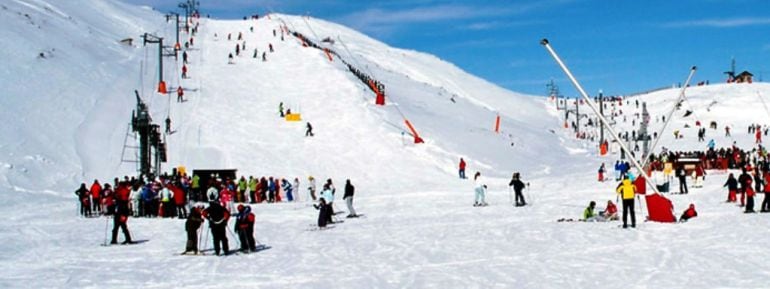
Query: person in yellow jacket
x=627, y=191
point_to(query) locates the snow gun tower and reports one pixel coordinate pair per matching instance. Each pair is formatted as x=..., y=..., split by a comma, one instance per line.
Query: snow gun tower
x=149, y=139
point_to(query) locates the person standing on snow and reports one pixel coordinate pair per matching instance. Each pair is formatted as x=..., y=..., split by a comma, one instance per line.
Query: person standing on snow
x=732, y=187
x=120, y=221
x=480, y=189
x=244, y=226
x=280, y=109
x=327, y=195
x=348, y=197
x=517, y=185
x=85, y=203
x=252, y=190
x=745, y=181
x=288, y=189
x=191, y=225
x=309, y=129
x=96, y=200
x=217, y=217
x=682, y=175
x=324, y=214
x=296, y=187
x=749, y=198
x=601, y=172
x=627, y=190
x=618, y=168
x=462, y=168
x=179, y=94
x=311, y=188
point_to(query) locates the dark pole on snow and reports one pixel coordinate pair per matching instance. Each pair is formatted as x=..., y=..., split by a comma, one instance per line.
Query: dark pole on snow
x=601, y=112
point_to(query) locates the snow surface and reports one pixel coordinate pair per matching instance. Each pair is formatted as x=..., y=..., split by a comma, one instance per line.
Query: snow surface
x=68, y=113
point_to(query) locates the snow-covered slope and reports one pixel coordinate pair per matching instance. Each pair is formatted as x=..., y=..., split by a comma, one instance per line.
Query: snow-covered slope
x=68, y=113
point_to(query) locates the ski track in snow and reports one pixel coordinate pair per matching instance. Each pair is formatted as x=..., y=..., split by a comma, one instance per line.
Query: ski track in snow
x=420, y=230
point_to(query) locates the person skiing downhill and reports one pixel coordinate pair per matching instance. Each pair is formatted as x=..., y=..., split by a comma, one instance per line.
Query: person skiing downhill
x=601, y=173
x=517, y=185
x=480, y=189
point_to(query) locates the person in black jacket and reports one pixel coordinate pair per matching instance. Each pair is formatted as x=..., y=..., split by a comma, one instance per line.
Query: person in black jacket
x=732, y=187
x=745, y=181
x=85, y=203
x=682, y=175
x=348, y=197
x=193, y=223
x=517, y=186
x=217, y=217
x=324, y=213
x=119, y=221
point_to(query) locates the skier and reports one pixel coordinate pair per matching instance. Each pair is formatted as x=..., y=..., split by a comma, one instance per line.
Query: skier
x=230, y=58
x=252, y=190
x=749, y=197
x=193, y=223
x=179, y=94
x=237, y=50
x=85, y=204
x=264, y=56
x=348, y=197
x=627, y=190
x=255, y=53
x=588, y=213
x=217, y=217
x=168, y=125
x=184, y=57
x=480, y=189
x=309, y=129
x=688, y=214
x=242, y=186
x=271, y=190
x=601, y=172
x=610, y=212
x=618, y=168
x=732, y=187
x=280, y=109
x=288, y=189
x=184, y=71
x=311, y=187
x=270, y=45
x=682, y=175
x=108, y=200
x=517, y=185
x=179, y=200
x=324, y=214
x=120, y=220
x=212, y=193
x=96, y=200
x=134, y=196
x=462, y=168
x=295, y=185
x=745, y=181
x=328, y=196
x=244, y=226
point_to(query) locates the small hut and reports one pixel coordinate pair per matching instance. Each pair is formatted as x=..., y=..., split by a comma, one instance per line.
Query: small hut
x=744, y=77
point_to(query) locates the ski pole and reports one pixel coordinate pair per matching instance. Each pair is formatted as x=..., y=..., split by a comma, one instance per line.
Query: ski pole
x=510, y=198
x=106, y=223
x=205, y=240
x=234, y=235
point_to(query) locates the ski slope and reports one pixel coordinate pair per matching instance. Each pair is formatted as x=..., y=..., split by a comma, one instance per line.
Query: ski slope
x=69, y=110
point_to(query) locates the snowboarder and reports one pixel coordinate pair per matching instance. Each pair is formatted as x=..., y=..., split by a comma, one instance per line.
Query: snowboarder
x=480, y=189
x=517, y=185
x=217, y=217
x=462, y=168
x=120, y=221
x=627, y=190
x=83, y=197
x=688, y=214
x=309, y=129
x=244, y=226
x=193, y=223
x=348, y=197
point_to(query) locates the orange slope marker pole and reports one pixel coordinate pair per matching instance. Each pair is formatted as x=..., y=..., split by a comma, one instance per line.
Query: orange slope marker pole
x=417, y=138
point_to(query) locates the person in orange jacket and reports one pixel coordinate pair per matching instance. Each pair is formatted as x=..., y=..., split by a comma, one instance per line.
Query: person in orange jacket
x=96, y=197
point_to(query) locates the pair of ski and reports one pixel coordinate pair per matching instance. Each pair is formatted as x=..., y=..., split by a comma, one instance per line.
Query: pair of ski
x=124, y=243
x=259, y=248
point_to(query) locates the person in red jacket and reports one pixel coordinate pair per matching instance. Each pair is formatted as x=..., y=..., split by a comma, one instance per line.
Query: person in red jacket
x=244, y=226
x=610, y=213
x=108, y=200
x=96, y=193
x=180, y=200
x=462, y=168
x=749, y=197
x=688, y=214
x=179, y=94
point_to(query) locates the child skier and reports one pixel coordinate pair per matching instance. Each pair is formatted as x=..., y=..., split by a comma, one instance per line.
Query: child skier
x=244, y=225
x=193, y=223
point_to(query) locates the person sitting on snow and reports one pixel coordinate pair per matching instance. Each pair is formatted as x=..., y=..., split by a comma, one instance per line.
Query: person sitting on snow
x=688, y=214
x=588, y=213
x=610, y=212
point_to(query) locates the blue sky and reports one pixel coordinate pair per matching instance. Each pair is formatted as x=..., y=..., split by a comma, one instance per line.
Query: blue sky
x=618, y=46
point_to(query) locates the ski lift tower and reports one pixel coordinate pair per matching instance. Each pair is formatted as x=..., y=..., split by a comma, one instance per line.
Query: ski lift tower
x=149, y=140
x=162, y=51
x=643, y=134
